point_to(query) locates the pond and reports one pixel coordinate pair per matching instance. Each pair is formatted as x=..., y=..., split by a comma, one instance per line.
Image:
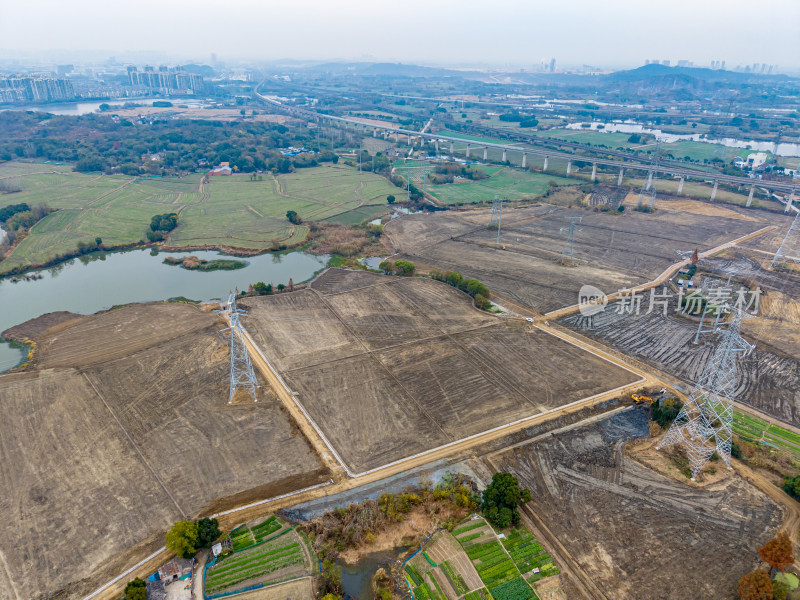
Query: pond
x=85, y=108
x=357, y=578
x=104, y=279
x=780, y=149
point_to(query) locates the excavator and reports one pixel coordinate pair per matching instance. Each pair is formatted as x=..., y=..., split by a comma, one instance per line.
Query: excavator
x=641, y=399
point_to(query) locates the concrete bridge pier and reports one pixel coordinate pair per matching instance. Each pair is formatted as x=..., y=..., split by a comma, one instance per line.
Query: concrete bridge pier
x=485, y=152
x=569, y=167
x=524, y=160
x=680, y=186
x=594, y=171
x=396, y=137
x=750, y=195
x=436, y=145
x=544, y=166
x=619, y=179
x=467, y=150
x=452, y=148
x=649, y=180
x=375, y=132
x=504, y=156
x=411, y=140
x=789, y=202
x=714, y=190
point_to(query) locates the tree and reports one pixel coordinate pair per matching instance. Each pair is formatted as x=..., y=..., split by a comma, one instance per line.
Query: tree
x=330, y=579
x=756, y=586
x=182, y=539
x=387, y=267
x=390, y=199
x=777, y=553
x=293, y=217
x=207, y=532
x=405, y=267
x=475, y=287
x=136, y=590
x=501, y=499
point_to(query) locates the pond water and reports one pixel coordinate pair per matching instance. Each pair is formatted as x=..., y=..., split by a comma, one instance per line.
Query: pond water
x=780, y=149
x=85, y=108
x=357, y=578
x=103, y=279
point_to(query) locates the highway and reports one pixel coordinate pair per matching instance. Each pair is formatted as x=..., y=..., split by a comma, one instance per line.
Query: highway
x=668, y=169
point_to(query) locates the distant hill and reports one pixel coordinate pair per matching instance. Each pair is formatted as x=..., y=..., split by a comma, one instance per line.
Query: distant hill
x=688, y=74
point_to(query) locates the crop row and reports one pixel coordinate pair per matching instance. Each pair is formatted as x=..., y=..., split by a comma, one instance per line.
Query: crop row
x=269, y=526
x=481, y=594
x=455, y=578
x=414, y=574
x=257, y=554
x=469, y=527
x=220, y=575
x=789, y=436
x=291, y=555
x=251, y=574
x=469, y=537
x=477, y=551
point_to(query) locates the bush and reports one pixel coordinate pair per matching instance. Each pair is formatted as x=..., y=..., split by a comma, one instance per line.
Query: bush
x=136, y=590
x=405, y=267
x=165, y=222
x=664, y=413
x=293, y=217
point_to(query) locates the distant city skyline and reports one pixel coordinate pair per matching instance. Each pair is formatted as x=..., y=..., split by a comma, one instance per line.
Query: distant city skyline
x=513, y=34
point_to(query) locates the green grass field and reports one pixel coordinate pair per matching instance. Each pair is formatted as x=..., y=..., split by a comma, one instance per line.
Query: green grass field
x=229, y=211
x=513, y=184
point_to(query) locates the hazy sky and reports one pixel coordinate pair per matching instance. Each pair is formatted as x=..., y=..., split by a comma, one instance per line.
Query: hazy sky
x=503, y=32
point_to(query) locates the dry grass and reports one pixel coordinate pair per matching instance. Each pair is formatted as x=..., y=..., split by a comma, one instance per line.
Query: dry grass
x=332, y=238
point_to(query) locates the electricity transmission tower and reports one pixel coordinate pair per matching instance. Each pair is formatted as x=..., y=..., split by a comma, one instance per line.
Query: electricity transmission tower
x=242, y=375
x=568, y=252
x=717, y=296
x=790, y=246
x=497, y=216
x=705, y=423
x=649, y=184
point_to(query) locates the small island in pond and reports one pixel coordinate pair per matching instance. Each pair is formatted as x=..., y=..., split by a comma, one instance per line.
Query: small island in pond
x=194, y=263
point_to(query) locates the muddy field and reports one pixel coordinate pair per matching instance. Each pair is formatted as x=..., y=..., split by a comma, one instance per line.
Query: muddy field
x=612, y=250
x=768, y=379
x=123, y=429
x=399, y=366
x=633, y=532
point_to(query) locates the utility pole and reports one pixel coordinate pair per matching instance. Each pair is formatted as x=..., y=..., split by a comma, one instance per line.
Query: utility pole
x=790, y=246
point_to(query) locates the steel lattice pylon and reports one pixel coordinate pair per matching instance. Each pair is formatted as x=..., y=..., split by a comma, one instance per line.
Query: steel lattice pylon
x=242, y=374
x=568, y=252
x=497, y=216
x=649, y=184
x=705, y=423
x=790, y=246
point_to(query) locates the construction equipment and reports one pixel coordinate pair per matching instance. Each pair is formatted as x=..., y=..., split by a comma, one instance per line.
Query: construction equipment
x=641, y=399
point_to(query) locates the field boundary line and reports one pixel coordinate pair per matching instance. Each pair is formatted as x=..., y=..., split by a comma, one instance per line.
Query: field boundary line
x=126, y=573
x=273, y=499
x=135, y=447
x=538, y=416
x=8, y=576
x=297, y=403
